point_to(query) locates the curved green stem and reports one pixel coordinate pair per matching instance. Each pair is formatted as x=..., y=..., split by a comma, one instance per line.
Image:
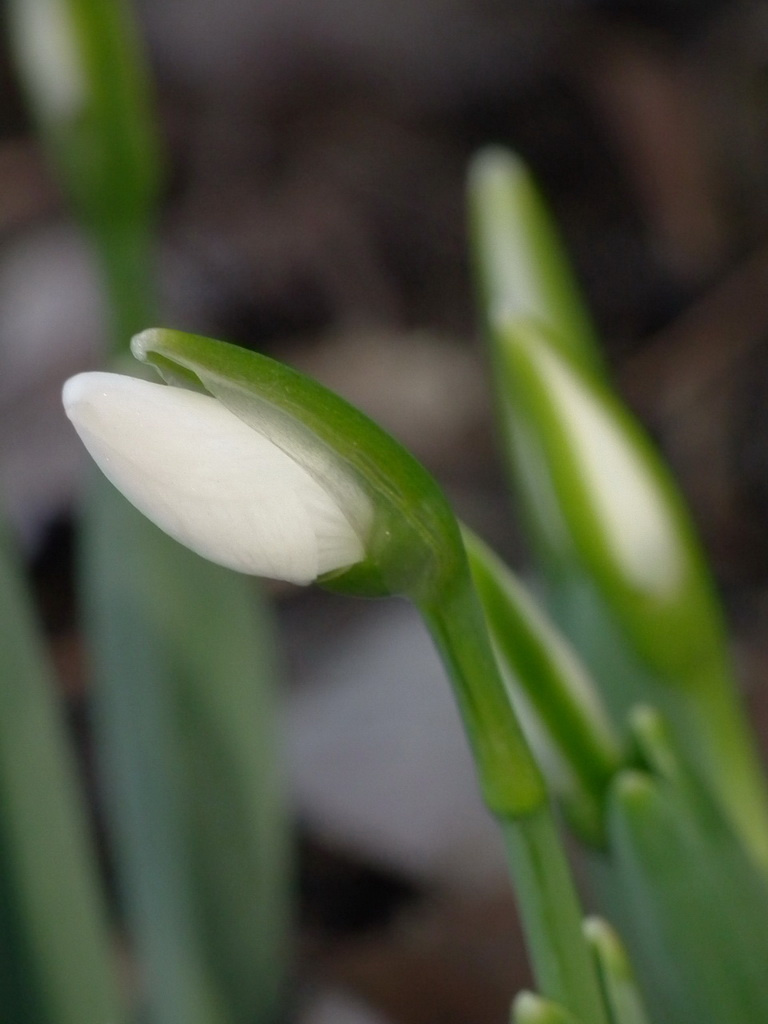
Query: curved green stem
x=511, y=780
x=515, y=791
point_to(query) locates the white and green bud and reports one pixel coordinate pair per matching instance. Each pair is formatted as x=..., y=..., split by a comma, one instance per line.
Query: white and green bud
x=602, y=504
x=214, y=483
x=383, y=526
x=263, y=470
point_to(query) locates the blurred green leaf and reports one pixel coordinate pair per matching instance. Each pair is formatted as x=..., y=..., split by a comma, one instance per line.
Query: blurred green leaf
x=550, y=911
x=82, y=66
x=183, y=698
x=622, y=995
x=697, y=905
x=56, y=949
x=185, y=720
x=602, y=503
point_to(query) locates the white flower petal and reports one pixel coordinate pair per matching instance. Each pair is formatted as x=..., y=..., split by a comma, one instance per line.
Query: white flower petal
x=209, y=480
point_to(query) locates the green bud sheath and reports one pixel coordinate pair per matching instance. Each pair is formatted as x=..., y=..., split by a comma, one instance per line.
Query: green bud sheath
x=604, y=508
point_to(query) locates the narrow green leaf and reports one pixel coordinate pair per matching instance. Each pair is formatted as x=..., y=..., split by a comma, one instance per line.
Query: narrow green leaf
x=56, y=955
x=697, y=904
x=622, y=995
x=563, y=965
x=185, y=719
x=555, y=684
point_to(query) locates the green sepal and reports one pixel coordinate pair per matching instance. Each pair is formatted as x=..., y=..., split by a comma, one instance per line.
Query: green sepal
x=57, y=958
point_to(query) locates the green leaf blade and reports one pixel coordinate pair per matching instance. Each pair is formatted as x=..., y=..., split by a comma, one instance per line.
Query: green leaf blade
x=56, y=948
x=185, y=719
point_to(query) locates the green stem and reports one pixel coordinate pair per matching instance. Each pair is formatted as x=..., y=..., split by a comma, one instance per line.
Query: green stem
x=549, y=908
x=511, y=780
x=515, y=791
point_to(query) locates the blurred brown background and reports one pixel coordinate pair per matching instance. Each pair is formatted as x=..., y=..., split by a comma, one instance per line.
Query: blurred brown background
x=316, y=153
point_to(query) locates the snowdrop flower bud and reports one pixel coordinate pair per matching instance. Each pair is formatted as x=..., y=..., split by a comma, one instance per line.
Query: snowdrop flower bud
x=262, y=470
x=600, y=497
x=211, y=482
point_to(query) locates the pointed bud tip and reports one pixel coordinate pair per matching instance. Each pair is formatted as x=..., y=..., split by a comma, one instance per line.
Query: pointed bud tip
x=208, y=479
x=495, y=165
x=531, y=1008
x=73, y=392
x=84, y=389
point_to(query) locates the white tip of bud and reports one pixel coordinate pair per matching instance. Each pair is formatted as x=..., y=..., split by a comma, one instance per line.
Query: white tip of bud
x=209, y=480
